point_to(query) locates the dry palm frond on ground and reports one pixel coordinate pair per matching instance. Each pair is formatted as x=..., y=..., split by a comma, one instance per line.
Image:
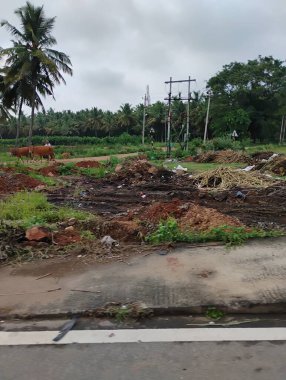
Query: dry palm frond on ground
x=223, y=157
x=226, y=178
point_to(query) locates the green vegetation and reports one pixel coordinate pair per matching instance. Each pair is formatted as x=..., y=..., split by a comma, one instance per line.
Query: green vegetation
x=26, y=209
x=31, y=66
x=46, y=180
x=197, y=167
x=169, y=231
x=214, y=313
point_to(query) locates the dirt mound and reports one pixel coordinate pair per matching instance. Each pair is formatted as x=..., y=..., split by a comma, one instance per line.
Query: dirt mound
x=199, y=218
x=50, y=171
x=188, y=159
x=137, y=171
x=225, y=178
x=258, y=156
x=12, y=182
x=88, y=164
x=63, y=238
x=222, y=157
x=277, y=166
x=123, y=230
x=163, y=210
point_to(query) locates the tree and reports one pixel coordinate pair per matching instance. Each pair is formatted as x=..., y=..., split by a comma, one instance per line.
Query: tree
x=246, y=97
x=39, y=66
x=125, y=118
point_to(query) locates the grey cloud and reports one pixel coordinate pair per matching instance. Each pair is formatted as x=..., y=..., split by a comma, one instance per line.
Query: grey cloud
x=118, y=47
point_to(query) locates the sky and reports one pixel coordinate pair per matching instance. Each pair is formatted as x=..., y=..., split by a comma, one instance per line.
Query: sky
x=118, y=47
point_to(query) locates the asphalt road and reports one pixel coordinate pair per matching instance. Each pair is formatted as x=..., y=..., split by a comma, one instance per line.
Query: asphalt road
x=158, y=350
x=148, y=361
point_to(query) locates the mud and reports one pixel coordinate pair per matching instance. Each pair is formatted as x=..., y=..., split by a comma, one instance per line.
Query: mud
x=261, y=207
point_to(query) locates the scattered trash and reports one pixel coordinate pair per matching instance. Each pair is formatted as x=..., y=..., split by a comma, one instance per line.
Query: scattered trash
x=45, y=275
x=240, y=195
x=65, y=329
x=109, y=242
x=248, y=168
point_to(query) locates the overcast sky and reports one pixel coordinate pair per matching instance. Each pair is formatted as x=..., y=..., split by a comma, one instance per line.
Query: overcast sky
x=117, y=47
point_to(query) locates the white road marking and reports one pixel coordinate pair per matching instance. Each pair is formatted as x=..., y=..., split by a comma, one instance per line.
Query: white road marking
x=143, y=335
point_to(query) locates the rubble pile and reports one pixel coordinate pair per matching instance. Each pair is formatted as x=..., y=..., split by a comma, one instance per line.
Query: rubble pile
x=259, y=156
x=138, y=171
x=274, y=164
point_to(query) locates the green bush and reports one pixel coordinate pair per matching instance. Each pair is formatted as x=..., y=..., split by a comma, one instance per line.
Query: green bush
x=67, y=169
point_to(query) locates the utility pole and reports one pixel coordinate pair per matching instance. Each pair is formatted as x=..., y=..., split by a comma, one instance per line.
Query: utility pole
x=170, y=98
x=282, y=130
x=188, y=113
x=207, y=117
x=144, y=120
x=146, y=103
x=169, y=120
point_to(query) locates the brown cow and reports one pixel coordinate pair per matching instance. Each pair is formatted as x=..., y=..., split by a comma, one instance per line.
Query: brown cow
x=43, y=152
x=21, y=152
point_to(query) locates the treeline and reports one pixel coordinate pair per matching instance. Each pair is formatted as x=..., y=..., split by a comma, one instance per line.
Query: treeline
x=248, y=97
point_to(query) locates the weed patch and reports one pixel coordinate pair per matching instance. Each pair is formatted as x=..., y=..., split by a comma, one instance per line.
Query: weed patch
x=27, y=209
x=169, y=231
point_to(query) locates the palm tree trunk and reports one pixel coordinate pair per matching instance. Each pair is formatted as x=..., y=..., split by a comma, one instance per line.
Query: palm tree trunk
x=18, y=122
x=32, y=121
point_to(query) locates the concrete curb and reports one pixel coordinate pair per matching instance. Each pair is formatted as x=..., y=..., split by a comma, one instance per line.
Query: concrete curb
x=242, y=308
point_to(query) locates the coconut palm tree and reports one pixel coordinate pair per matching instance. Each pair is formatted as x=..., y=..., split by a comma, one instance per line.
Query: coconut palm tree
x=38, y=66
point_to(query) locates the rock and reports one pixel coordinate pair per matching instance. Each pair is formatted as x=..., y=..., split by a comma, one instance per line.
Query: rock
x=50, y=174
x=40, y=187
x=153, y=170
x=3, y=256
x=71, y=221
x=69, y=228
x=118, y=168
x=38, y=234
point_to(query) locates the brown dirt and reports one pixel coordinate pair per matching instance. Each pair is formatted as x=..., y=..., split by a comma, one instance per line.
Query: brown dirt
x=139, y=171
x=276, y=166
x=162, y=210
x=258, y=156
x=199, y=218
x=88, y=164
x=129, y=205
x=50, y=171
x=12, y=182
x=63, y=238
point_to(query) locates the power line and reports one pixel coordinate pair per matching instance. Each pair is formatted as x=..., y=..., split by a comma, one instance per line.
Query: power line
x=169, y=99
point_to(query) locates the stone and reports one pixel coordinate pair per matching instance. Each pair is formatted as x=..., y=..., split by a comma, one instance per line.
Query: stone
x=38, y=234
x=118, y=168
x=69, y=228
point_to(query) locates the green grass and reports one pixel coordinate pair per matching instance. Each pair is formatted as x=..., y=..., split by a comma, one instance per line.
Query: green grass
x=196, y=167
x=169, y=231
x=267, y=148
x=26, y=209
x=46, y=180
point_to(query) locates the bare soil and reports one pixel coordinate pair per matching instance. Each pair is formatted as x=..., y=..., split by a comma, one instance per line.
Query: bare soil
x=131, y=202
